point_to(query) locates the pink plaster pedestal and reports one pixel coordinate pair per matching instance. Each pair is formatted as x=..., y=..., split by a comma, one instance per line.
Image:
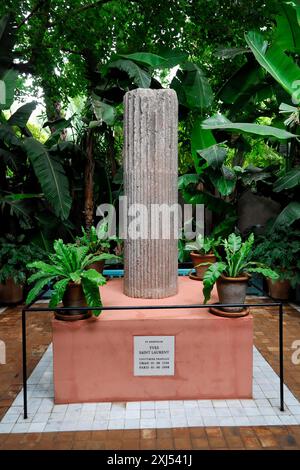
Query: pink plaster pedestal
x=93, y=359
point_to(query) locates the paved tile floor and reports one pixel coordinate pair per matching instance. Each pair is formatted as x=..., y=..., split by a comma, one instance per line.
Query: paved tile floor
x=192, y=437
x=44, y=416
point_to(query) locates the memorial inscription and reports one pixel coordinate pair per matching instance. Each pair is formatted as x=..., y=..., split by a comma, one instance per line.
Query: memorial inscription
x=153, y=355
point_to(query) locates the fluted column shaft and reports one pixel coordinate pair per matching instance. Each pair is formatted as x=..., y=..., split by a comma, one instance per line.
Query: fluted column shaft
x=150, y=178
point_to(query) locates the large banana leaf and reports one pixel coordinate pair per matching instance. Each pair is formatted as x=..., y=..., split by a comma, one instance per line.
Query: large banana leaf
x=145, y=58
x=200, y=139
x=173, y=57
x=288, y=181
x=168, y=58
x=224, y=181
x=7, y=40
x=287, y=33
x=221, y=122
x=239, y=87
x=7, y=89
x=140, y=77
x=18, y=208
x=196, y=86
x=214, y=155
x=289, y=215
x=10, y=159
x=59, y=125
x=176, y=84
x=8, y=136
x=103, y=111
x=274, y=60
x=51, y=176
x=187, y=179
x=21, y=116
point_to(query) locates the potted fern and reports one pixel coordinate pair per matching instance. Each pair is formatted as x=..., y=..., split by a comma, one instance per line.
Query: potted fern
x=98, y=242
x=232, y=272
x=73, y=283
x=202, y=252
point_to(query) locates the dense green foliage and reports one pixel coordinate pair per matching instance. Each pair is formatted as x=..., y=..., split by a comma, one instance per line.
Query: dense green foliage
x=14, y=258
x=61, y=42
x=98, y=241
x=280, y=249
x=68, y=263
x=234, y=66
x=236, y=261
x=203, y=245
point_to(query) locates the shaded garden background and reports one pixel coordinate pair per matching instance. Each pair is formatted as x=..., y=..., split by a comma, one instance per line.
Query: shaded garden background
x=67, y=66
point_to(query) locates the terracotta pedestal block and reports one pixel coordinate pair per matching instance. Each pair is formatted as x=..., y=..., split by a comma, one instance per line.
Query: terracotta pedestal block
x=94, y=359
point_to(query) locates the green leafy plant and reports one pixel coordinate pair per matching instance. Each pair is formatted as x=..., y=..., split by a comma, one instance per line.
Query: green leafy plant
x=219, y=182
x=279, y=60
x=251, y=95
x=98, y=241
x=203, y=245
x=221, y=122
x=280, y=249
x=237, y=261
x=68, y=264
x=18, y=148
x=15, y=255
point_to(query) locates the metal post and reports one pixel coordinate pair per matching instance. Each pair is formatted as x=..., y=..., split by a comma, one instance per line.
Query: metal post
x=24, y=361
x=29, y=308
x=281, y=357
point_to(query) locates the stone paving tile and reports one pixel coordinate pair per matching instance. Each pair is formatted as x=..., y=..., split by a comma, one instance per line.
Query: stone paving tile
x=278, y=436
x=44, y=416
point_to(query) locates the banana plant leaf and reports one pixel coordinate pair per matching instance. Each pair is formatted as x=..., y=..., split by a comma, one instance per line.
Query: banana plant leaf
x=21, y=116
x=221, y=122
x=287, y=33
x=7, y=41
x=240, y=85
x=139, y=76
x=173, y=57
x=187, y=179
x=51, y=176
x=18, y=207
x=274, y=60
x=224, y=181
x=7, y=91
x=145, y=58
x=200, y=139
x=196, y=86
x=103, y=111
x=59, y=125
x=214, y=155
x=288, y=181
x=288, y=215
x=176, y=84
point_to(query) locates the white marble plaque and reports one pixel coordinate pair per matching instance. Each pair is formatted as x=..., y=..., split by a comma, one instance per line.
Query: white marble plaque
x=153, y=355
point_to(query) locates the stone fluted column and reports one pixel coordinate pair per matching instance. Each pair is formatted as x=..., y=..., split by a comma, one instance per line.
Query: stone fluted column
x=150, y=177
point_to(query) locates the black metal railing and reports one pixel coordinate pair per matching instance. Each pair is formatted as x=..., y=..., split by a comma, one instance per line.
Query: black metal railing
x=272, y=303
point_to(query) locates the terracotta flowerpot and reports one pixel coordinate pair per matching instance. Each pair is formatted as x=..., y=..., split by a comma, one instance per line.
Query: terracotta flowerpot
x=232, y=290
x=10, y=292
x=279, y=289
x=197, y=259
x=73, y=297
x=98, y=266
